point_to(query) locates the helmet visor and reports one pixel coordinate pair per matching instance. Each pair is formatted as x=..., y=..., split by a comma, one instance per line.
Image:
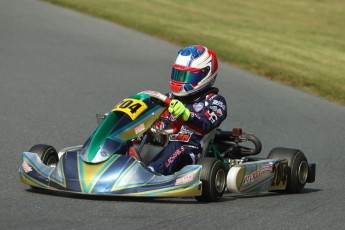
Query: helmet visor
x=187, y=76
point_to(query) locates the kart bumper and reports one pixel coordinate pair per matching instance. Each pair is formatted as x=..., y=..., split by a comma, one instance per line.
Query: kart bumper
x=119, y=176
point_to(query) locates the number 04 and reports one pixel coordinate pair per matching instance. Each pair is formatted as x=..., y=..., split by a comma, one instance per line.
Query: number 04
x=129, y=104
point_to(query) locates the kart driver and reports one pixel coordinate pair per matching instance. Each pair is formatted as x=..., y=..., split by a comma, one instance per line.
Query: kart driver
x=199, y=104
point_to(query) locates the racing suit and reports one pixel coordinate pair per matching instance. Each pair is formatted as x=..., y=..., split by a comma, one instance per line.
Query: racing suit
x=206, y=113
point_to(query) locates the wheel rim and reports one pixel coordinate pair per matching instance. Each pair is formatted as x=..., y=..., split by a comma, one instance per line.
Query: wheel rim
x=52, y=161
x=220, y=181
x=303, y=172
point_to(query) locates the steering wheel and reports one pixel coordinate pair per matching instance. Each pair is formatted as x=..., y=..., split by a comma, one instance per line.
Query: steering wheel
x=176, y=125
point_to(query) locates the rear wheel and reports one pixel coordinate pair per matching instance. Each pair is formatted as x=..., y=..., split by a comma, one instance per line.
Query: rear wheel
x=213, y=178
x=298, y=165
x=46, y=153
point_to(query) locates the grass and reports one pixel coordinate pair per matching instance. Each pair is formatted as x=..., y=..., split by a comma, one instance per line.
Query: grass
x=297, y=42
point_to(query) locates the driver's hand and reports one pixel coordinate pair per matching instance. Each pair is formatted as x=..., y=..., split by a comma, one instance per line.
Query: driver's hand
x=178, y=109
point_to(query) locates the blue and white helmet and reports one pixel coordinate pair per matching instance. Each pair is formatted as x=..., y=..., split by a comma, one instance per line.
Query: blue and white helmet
x=194, y=70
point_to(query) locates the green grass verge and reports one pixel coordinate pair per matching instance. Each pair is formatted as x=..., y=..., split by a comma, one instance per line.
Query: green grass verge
x=298, y=42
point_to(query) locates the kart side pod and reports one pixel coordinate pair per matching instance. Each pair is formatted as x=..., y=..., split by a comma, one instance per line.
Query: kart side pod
x=258, y=176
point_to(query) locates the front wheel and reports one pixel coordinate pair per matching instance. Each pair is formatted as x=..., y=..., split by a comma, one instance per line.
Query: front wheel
x=298, y=164
x=46, y=153
x=213, y=178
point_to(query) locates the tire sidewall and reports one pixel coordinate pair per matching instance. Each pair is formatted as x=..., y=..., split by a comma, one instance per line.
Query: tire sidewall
x=217, y=167
x=210, y=168
x=46, y=153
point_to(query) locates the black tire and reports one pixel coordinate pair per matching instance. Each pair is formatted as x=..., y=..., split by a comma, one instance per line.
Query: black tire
x=298, y=167
x=213, y=178
x=46, y=153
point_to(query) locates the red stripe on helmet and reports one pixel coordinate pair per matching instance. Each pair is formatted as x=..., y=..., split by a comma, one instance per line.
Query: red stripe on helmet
x=201, y=48
x=214, y=60
x=186, y=68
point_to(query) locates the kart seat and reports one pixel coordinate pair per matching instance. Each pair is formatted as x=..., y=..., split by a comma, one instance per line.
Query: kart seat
x=205, y=141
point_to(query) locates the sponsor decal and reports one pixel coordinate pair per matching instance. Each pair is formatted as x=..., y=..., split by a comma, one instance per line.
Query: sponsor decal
x=192, y=114
x=251, y=178
x=139, y=128
x=217, y=111
x=198, y=107
x=211, y=116
x=173, y=157
x=219, y=103
x=185, y=179
x=26, y=167
x=180, y=137
x=214, y=108
x=184, y=135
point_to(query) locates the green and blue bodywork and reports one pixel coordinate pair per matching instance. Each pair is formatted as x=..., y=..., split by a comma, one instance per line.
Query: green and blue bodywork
x=103, y=167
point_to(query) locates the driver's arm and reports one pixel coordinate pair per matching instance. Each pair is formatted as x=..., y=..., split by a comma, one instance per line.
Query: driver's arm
x=210, y=117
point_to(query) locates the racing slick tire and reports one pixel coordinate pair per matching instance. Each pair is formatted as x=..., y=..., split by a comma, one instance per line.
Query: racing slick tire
x=298, y=168
x=213, y=178
x=46, y=153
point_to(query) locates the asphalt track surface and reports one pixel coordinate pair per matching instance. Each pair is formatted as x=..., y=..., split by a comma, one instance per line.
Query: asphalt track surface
x=59, y=68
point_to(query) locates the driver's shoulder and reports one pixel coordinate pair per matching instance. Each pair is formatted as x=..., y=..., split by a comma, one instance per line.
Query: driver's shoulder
x=215, y=97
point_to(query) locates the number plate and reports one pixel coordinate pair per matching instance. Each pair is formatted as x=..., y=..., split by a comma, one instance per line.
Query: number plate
x=132, y=107
x=281, y=172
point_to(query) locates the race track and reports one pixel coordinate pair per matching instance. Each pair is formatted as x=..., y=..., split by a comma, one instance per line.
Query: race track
x=58, y=68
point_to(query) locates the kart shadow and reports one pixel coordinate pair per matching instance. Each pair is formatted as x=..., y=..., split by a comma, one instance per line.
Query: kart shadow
x=227, y=197
x=167, y=200
x=268, y=194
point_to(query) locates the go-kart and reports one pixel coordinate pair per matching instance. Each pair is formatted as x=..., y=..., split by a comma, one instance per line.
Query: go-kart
x=104, y=165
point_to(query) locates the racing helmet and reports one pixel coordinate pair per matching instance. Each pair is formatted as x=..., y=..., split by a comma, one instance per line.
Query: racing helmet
x=194, y=70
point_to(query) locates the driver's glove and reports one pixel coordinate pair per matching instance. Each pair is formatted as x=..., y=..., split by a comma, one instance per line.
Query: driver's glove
x=177, y=109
